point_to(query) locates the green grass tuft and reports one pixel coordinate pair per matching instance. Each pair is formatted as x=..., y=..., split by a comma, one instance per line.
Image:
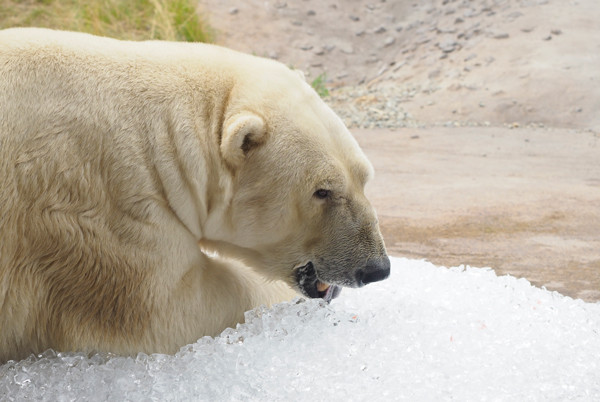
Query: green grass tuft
x=319, y=85
x=124, y=19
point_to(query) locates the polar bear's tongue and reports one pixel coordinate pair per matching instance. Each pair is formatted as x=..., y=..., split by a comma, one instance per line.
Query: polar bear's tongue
x=311, y=286
x=330, y=292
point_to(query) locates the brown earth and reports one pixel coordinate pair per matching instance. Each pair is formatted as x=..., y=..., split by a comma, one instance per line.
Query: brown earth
x=503, y=167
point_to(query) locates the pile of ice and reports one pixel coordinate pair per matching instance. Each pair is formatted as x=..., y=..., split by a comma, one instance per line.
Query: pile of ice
x=427, y=333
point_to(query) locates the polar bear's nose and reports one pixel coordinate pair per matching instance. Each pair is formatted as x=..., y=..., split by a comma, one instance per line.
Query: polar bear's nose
x=376, y=269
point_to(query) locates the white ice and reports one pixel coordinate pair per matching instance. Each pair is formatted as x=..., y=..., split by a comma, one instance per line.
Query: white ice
x=426, y=334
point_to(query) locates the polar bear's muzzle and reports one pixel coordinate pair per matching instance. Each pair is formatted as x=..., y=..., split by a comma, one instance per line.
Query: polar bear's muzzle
x=310, y=285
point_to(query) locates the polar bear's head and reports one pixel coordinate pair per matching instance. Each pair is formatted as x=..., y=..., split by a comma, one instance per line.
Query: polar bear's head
x=298, y=210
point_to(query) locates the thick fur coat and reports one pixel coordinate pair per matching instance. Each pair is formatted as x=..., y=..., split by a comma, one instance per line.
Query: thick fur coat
x=117, y=159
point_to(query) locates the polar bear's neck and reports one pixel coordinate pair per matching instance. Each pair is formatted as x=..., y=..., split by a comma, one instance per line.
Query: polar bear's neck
x=184, y=148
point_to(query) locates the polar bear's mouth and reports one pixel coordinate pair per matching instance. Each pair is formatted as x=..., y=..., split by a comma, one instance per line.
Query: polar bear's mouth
x=310, y=285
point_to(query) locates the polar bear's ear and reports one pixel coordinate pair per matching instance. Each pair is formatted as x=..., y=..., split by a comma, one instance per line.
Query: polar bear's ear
x=241, y=133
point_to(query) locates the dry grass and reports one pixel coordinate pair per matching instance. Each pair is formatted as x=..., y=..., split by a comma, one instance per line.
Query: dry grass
x=123, y=19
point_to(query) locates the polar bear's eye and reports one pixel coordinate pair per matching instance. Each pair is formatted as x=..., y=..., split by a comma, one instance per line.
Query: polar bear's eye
x=322, y=193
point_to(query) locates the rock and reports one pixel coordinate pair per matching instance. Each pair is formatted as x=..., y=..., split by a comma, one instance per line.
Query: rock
x=346, y=48
x=549, y=37
x=233, y=11
x=470, y=57
x=447, y=44
x=422, y=40
x=297, y=23
x=310, y=13
x=306, y=47
x=389, y=41
x=514, y=15
x=501, y=35
x=556, y=32
x=319, y=51
x=354, y=18
x=360, y=33
x=372, y=59
x=380, y=29
x=446, y=30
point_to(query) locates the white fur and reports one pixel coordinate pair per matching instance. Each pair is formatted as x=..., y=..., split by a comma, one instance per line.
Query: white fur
x=118, y=158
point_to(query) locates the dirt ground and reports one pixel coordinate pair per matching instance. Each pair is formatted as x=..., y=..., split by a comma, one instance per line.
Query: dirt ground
x=502, y=165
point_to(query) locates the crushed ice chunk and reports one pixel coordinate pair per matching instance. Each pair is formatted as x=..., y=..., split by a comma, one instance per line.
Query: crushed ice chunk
x=427, y=333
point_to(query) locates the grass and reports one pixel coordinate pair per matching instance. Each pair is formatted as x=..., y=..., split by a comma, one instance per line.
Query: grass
x=122, y=19
x=319, y=85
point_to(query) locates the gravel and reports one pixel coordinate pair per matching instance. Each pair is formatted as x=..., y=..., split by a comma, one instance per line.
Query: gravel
x=376, y=107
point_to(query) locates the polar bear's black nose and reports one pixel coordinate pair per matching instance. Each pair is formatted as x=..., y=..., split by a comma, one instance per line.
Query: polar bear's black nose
x=376, y=269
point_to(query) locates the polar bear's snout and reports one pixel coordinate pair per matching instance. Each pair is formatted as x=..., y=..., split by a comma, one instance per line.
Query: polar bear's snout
x=376, y=269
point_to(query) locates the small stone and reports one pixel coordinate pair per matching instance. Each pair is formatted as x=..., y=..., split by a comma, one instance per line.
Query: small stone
x=527, y=29
x=389, y=41
x=346, y=48
x=549, y=37
x=273, y=55
x=514, y=15
x=319, y=51
x=399, y=28
x=459, y=20
x=380, y=30
x=297, y=23
x=233, y=11
x=447, y=45
x=470, y=57
x=354, y=18
x=360, y=33
x=306, y=47
x=556, y=32
x=501, y=35
x=310, y=13
x=446, y=30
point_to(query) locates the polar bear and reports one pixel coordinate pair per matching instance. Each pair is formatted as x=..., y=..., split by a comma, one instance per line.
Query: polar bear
x=151, y=192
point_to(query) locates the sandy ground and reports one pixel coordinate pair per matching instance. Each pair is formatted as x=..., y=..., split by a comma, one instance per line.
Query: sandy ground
x=522, y=202
x=502, y=165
